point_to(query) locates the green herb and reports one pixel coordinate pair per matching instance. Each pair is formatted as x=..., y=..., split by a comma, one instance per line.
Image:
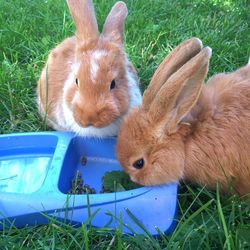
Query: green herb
x=117, y=181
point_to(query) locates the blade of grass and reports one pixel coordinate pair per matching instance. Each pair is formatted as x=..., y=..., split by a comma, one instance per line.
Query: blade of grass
x=228, y=242
x=185, y=223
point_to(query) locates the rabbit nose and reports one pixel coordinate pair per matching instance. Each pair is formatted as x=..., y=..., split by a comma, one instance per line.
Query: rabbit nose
x=86, y=116
x=88, y=124
x=89, y=120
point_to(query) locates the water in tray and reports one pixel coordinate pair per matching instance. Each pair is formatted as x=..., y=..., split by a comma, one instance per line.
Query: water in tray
x=23, y=175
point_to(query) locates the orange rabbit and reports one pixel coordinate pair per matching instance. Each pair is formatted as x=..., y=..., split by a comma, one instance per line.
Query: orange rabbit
x=187, y=130
x=88, y=83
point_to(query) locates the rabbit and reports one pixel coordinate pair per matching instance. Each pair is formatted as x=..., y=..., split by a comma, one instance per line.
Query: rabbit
x=187, y=130
x=88, y=83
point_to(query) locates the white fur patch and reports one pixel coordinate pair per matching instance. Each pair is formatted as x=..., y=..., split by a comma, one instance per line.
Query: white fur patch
x=95, y=57
x=209, y=52
x=134, y=90
x=58, y=113
x=93, y=70
x=98, y=54
x=64, y=116
x=199, y=41
x=44, y=115
x=39, y=105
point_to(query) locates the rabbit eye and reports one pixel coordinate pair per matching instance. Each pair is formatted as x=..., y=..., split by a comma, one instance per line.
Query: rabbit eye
x=112, y=85
x=76, y=81
x=138, y=164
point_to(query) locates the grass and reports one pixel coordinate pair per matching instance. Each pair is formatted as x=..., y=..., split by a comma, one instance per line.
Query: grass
x=29, y=29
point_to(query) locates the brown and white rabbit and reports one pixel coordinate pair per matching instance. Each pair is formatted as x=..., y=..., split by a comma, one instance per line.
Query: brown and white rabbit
x=187, y=130
x=88, y=83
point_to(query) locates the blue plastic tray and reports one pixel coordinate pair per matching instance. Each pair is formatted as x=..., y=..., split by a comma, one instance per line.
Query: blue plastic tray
x=36, y=170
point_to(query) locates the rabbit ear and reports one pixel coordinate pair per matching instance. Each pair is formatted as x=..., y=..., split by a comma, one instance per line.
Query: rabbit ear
x=175, y=60
x=181, y=91
x=113, y=28
x=83, y=14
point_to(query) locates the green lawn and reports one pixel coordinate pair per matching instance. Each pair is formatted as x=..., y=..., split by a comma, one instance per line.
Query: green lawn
x=30, y=28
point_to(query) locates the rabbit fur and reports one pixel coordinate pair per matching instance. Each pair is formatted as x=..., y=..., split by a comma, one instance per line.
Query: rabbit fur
x=186, y=129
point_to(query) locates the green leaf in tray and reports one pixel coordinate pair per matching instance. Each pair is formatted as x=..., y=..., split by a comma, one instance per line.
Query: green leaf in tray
x=117, y=181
